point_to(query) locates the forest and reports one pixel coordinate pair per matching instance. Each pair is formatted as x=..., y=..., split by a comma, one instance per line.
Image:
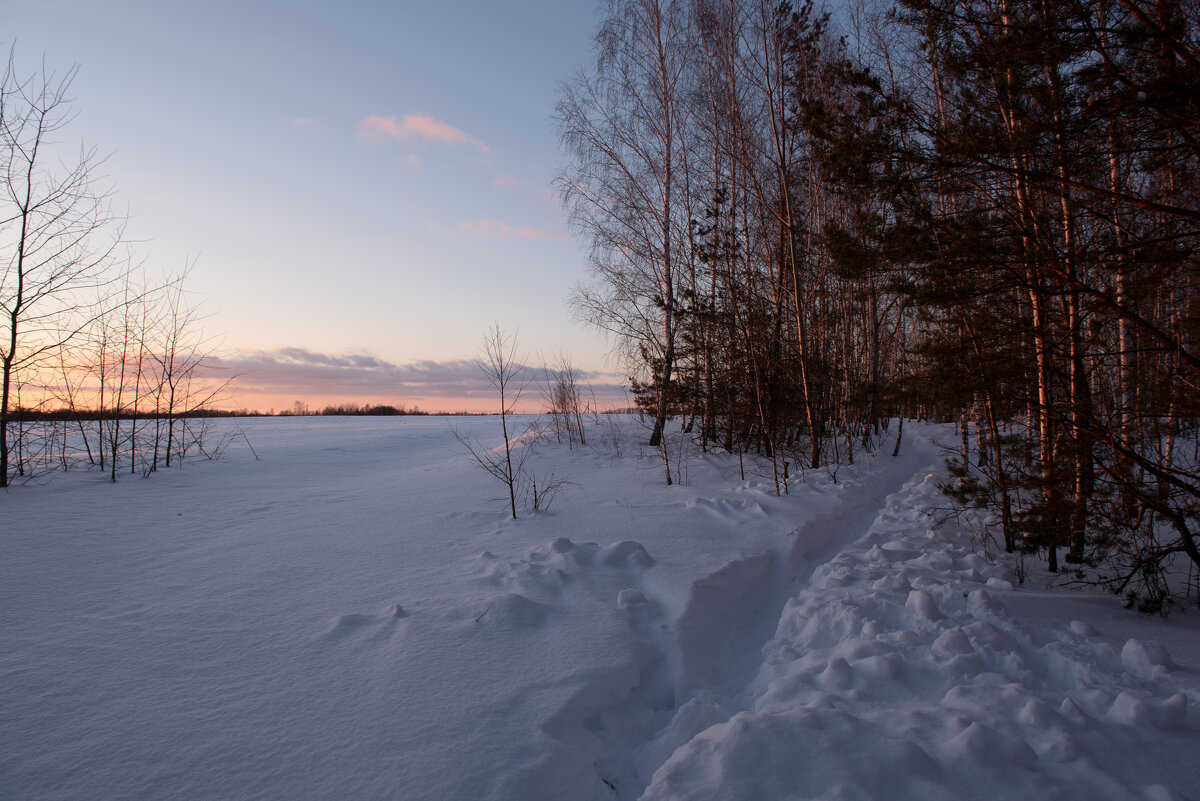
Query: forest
x=805, y=223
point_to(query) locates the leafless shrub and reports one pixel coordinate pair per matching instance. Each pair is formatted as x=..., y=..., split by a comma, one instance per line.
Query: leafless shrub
x=540, y=493
x=563, y=399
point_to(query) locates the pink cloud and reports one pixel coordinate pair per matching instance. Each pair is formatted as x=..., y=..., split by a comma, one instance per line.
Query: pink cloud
x=502, y=230
x=505, y=182
x=416, y=126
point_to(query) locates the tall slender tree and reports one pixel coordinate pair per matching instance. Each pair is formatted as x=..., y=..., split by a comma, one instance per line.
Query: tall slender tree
x=621, y=124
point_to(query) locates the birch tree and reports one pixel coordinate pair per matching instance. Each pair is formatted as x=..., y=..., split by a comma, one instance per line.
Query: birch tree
x=621, y=124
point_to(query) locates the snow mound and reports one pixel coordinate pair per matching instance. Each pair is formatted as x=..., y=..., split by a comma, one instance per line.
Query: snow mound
x=802, y=752
x=357, y=624
x=513, y=611
x=1147, y=659
x=626, y=554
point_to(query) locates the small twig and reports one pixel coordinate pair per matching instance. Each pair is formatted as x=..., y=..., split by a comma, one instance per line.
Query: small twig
x=243, y=433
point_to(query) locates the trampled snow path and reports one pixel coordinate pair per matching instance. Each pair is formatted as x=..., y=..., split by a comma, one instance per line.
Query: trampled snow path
x=899, y=671
x=707, y=657
x=353, y=618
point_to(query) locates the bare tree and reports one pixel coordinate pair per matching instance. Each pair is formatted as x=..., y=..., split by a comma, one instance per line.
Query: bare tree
x=622, y=126
x=57, y=232
x=504, y=371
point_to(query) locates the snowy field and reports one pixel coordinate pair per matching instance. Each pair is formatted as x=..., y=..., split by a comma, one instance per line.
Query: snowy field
x=353, y=616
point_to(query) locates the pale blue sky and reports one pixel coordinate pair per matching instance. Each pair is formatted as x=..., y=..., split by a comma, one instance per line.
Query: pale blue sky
x=238, y=137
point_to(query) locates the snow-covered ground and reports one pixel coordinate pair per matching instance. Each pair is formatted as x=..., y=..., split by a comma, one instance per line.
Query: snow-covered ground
x=355, y=617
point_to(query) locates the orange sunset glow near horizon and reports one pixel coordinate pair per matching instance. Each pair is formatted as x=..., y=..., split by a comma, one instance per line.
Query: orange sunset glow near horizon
x=268, y=383
x=294, y=379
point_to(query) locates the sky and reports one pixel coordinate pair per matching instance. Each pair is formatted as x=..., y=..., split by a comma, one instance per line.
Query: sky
x=360, y=188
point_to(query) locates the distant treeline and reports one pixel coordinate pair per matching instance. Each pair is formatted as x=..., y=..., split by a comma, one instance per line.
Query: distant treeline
x=353, y=409
x=21, y=415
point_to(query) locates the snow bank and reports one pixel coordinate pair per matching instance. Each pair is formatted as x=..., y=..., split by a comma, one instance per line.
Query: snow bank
x=898, y=673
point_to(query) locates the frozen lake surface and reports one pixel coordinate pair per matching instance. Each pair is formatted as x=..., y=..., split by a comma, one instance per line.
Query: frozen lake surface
x=354, y=616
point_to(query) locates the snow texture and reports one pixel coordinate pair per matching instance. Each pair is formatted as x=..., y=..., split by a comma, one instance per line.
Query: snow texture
x=355, y=617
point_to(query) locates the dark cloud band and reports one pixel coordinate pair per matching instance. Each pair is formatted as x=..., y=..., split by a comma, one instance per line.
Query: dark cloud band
x=362, y=376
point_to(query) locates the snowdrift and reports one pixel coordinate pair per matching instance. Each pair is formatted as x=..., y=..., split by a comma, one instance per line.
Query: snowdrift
x=354, y=617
